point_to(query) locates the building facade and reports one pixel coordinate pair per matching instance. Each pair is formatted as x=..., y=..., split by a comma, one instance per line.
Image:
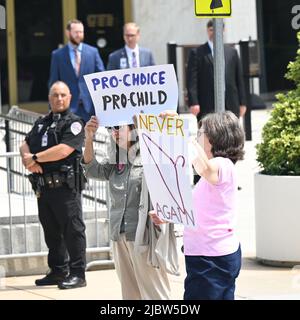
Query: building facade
x=36, y=27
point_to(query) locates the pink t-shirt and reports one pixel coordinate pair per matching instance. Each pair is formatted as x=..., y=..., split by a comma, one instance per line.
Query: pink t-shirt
x=215, y=215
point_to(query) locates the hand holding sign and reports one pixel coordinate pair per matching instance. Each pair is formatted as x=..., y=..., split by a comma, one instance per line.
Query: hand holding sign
x=155, y=218
x=91, y=127
x=168, y=113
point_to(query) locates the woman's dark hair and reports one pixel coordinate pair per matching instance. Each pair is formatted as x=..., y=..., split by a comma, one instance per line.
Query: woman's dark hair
x=134, y=135
x=134, y=140
x=225, y=135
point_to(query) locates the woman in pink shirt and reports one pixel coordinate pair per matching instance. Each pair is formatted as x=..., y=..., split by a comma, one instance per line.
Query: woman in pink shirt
x=212, y=250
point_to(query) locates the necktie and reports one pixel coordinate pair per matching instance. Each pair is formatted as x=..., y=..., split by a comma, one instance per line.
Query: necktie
x=77, y=61
x=134, y=62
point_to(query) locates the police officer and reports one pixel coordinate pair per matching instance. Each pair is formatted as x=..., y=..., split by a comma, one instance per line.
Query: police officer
x=51, y=152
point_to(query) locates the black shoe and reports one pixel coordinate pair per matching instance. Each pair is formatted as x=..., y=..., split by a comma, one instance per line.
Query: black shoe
x=72, y=282
x=51, y=279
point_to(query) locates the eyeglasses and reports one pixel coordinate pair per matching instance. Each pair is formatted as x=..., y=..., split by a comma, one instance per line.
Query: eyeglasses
x=130, y=35
x=200, y=132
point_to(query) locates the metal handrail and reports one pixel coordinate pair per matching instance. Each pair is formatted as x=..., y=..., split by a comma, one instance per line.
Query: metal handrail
x=94, y=198
x=25, y=195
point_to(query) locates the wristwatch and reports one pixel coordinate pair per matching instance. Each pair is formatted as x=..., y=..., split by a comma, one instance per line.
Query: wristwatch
x=34, y=157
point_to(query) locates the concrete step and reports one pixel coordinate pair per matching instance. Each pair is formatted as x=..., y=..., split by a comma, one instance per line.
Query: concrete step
x=36, y=263
x=15, y=240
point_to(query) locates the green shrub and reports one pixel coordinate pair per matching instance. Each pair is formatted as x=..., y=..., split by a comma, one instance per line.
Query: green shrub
x=279, y=151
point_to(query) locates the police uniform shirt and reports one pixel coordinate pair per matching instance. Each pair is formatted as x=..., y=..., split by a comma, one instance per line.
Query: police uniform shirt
x=49, y=131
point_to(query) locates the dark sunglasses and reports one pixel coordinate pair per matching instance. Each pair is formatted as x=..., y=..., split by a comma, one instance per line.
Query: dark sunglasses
x=115, y=128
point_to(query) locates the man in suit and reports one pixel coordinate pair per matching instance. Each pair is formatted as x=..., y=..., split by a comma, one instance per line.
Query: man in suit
x=131, y=55
x=70, y=63
x=200, y=79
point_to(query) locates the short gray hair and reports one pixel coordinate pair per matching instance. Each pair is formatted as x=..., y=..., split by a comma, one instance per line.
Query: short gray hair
x=58, y=83
x=131, y=24
x=225, y=134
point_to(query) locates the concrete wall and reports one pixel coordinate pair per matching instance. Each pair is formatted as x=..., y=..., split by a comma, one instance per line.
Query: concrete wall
x=32, y=258
x=97, y=233
x=243, y=22
x=37, y=264
x=162, y=21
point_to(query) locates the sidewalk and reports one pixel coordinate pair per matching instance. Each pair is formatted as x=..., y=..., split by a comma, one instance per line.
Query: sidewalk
x=255, y=281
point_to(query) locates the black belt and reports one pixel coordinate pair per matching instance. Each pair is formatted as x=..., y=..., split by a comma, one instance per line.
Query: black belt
x=54, y=180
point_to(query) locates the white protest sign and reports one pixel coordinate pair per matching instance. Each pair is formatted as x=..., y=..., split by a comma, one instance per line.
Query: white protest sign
x=164, y=151
x=120, y=94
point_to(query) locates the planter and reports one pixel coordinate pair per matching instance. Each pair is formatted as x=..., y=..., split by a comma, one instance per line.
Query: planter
x=277, y=219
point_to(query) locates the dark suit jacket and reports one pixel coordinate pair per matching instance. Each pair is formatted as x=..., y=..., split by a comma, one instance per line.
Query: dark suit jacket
x=62, y=69
x=200, y=80
x=114, y=59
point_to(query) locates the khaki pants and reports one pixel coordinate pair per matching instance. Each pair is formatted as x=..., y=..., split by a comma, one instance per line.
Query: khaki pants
x=138, y=279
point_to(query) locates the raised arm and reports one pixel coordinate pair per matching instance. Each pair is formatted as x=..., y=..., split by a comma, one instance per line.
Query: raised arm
x=93, y=168
x=90, y=130
x=205, y=167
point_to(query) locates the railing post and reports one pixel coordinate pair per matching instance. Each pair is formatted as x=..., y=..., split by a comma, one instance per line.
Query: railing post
x=8, y=149
x=7, y=136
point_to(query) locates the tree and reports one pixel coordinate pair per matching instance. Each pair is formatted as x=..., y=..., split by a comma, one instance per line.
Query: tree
x=279, y=151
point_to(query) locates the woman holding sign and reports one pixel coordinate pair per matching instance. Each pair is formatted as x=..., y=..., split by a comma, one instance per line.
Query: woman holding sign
x=212, y=250
x=140, y=262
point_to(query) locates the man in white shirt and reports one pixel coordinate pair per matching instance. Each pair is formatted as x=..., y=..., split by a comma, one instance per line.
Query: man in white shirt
x=131, y=55
x=200, y=79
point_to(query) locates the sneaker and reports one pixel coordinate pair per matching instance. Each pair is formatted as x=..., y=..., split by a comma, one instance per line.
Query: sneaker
x=51, y=279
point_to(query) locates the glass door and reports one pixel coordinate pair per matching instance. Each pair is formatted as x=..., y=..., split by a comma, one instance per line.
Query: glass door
x=103, y=22
x=278, y=42
x=39, y=28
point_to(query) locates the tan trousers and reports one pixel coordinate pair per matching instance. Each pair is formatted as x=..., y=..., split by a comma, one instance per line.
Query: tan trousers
x=139, y=281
